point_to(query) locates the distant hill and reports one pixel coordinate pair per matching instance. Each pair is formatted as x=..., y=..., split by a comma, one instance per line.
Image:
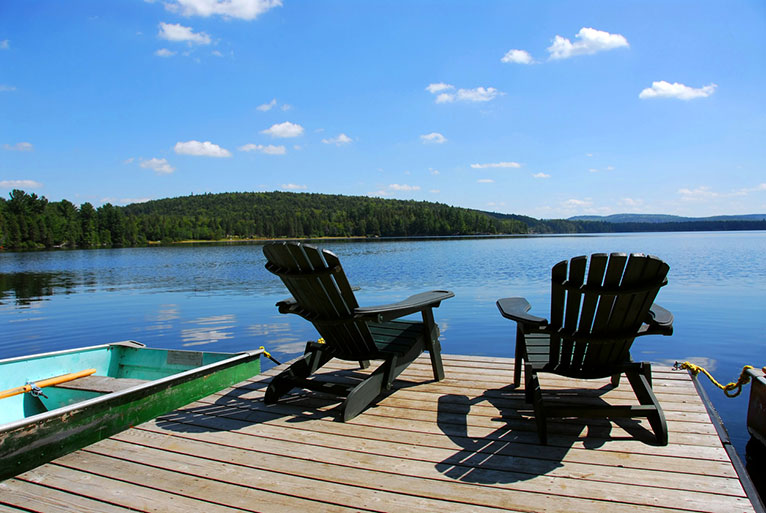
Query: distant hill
x=664, y=218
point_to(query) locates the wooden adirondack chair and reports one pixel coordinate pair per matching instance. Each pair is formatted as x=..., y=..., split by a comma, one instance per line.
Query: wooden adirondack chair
x=593, y=324
x=321, y=294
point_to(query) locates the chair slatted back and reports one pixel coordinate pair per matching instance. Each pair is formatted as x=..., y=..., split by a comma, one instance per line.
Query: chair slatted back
x=319, y=285
x=594, y=320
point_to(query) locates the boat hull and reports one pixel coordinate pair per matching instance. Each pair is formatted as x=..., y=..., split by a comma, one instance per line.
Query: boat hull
x=29, y=442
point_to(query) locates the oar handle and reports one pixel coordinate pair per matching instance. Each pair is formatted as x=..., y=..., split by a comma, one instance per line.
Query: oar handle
x=46, y=382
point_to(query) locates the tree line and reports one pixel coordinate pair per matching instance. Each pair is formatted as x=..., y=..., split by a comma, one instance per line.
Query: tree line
x=28, y=221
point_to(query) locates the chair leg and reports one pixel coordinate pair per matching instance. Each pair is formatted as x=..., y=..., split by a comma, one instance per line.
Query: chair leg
x=535, y=394
x=616, y=380
x=518, y=357
x=368, y=390
x=528, y=396
x=432, y=343
x=640, y=380
x=296, y=373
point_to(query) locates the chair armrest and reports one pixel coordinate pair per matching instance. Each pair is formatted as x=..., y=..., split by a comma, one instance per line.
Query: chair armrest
x=516, y=308
x=288, y=305
x=412, y=304
x=659, y=320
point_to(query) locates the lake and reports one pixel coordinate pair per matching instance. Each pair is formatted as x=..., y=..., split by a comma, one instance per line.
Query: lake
x=220, y=297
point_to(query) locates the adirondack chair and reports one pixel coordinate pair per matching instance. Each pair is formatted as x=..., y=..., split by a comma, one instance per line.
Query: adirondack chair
x=321, y=294
x=593, y=324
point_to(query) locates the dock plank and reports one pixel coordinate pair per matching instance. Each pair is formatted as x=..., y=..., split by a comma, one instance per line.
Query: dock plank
x=467, y=443
x=38, y=497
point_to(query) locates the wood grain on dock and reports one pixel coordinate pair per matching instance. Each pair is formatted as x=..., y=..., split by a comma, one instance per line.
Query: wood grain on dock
x=467, y=443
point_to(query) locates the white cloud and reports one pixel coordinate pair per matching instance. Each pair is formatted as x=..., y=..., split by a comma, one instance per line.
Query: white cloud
x=578, y=203
x=403, y=187
x=441, y=86
x=267, y=106
x=293, y=187
x=6, y=88
x=757, y=188
x=676, y=90
x=285, y=107
x=434, y=171
x=590, y=41
x=485, y=180
x=20, y=184
x=268, y=149
x=434, y=191
x=201, y=149
x=242, y=9
x=445, y=98
x=285, y=129
x=631, y=203
x=700, y=193
x=130, y=201
x=21, y=146
x=216, y=53
x=177, y=32
x=515, y=165
x=478, y=94
x=160, y=166
x=5, y=44
x=593, y=170
x=704, y=193
x=338, y=141
x=164, y=52
x=517, y=57
x=540, y=175
x=433, y=138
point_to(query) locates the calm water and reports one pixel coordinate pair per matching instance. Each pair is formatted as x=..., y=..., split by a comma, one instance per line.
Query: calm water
x=221, y=297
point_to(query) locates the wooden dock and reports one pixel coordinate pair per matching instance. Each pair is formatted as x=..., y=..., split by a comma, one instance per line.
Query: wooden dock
x=467, y=443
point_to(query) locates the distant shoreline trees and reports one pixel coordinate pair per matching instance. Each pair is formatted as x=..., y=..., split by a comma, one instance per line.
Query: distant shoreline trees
x=28, y=221
x=31, y=222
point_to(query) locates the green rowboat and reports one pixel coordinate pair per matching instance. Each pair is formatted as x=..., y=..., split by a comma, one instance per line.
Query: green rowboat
x=123, y=384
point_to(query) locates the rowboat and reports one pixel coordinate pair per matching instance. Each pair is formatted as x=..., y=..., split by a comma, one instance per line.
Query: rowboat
x=55, y=403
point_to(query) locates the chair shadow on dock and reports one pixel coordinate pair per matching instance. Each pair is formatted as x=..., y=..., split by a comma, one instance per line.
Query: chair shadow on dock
x=243, y=404
x=512, y=452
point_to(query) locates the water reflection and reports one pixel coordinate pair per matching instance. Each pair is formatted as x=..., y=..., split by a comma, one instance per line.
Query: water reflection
x=280, y=337
x=209, y=330
x=161, y=321
x=27, y=288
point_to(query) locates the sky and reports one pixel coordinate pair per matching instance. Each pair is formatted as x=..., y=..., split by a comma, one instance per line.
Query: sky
x=547, y=109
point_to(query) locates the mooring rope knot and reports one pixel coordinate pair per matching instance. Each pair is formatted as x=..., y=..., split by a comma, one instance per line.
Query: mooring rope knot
x=736, y=386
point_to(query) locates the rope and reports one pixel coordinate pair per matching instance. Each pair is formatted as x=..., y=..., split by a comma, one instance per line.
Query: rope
x=268, y=355
x=744, y=377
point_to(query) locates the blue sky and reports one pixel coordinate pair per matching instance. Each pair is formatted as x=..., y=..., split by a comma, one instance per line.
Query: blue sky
x=548, y=109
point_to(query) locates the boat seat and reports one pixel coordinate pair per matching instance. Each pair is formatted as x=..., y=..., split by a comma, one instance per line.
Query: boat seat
x=101, y=384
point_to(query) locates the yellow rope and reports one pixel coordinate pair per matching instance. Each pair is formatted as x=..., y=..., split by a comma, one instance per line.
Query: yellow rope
x=268, y=355
x=744, y=378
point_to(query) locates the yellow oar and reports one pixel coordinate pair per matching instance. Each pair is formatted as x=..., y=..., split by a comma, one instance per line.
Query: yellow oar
x=46, y=383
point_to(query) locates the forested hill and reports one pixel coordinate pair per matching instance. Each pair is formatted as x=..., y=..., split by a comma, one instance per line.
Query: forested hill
x=29, y=221
x=286, y=214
